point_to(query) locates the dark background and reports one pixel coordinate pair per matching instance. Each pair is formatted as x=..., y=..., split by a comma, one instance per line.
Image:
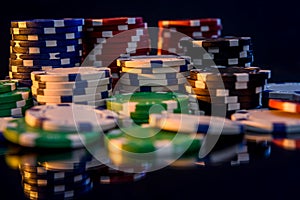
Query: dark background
x=274, y=27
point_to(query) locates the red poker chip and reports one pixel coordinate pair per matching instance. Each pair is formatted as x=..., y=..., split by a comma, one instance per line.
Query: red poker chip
x=110, y=34
x=113, y=21
x=190, y=22
x=117, y=39
x=121, y=27
x=195, y=29
x=285, y=105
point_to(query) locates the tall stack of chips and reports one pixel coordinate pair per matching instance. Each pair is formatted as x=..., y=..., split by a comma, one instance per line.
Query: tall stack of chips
x=171, y=32
x=107, y=39
x=44, y=43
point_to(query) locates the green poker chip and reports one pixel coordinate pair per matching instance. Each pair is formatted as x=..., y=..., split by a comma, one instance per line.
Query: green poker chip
x=18, y=132
x=139, y=105
x=138, y=139
x=17, y=104
x=15, y=112
x=7, y=86
x=21, y=93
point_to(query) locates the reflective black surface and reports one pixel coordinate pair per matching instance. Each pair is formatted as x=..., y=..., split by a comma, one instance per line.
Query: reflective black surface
x=247, y=170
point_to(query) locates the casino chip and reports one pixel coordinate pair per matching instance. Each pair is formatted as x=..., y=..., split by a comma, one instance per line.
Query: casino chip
x=276, y=123
x=110, y=38
x=184, y=123
x=80, y=85
x=223, y=51
x=70, y=117
x=44, y=42
x=171, y=32
x=7, y=86
x=153, y=73
x=19, y=132
x=146, y=140
x=229, y=88
x=285, y=105
x=281, y=91
x=139, y=105
x=14, y=101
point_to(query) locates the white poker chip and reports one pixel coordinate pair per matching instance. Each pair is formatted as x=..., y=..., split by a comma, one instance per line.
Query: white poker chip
x=195, y=124
x=278, y=123
x=70, y=117
x=71, y=74
x=151, y=61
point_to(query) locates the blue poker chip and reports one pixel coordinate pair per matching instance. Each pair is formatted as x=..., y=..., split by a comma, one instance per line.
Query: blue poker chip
x=45, y=43
x=65, y=62
x=48, y=56
x=46, y=50
x=62, y=36
x=47, y=30
x=64, y=22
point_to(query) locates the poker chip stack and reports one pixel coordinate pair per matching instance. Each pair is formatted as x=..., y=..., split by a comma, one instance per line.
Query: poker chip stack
x=79, y=85
x=107, y=39
x=227, y=89
x=225, y=51
x=153, y=73
x=171, y=32
x=14, y=101
x=223, y=77
x=44, y=43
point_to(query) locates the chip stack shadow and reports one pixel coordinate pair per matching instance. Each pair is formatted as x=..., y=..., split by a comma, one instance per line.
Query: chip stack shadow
x=107, y=39
x=44, y=43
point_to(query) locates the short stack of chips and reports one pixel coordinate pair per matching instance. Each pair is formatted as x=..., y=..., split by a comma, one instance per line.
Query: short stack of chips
x=138, y=106
x=153, y=73
x=57, y=175
x=171, y=32
x=44, y=43
x=109, y=38
x=226, y=89
x=285, y=98
x=80, y=85
x=224, y=78
x=225, y=51
x=59, y=126
x=14, y=101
